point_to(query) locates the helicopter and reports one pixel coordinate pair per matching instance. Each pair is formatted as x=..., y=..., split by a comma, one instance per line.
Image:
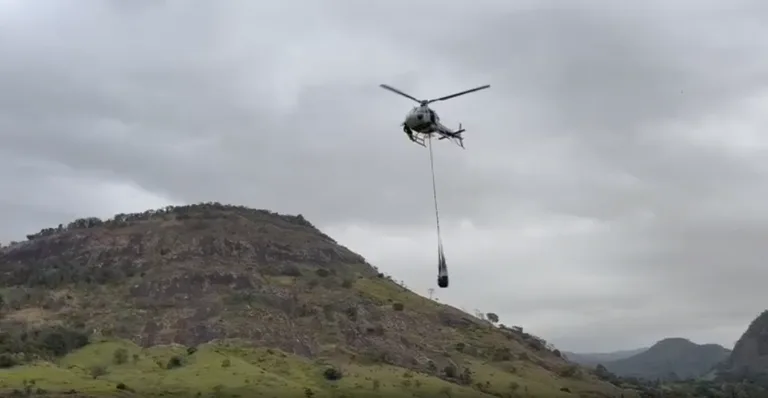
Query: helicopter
x=421, y=121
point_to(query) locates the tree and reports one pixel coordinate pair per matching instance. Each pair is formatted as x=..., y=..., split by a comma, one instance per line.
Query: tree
x=97, y=371
x=492, y=317
x=332, y=374
x=466, y=376
x=7, y=361
x=120, y=356
x=513, y=386
x=173, y=363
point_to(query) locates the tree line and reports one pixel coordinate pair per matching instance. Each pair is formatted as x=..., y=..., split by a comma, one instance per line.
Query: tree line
x=182, y=212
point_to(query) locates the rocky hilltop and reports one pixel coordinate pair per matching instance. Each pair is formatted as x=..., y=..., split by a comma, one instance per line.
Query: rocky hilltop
x=210, y=273
x=182, y=275
x=749, y=359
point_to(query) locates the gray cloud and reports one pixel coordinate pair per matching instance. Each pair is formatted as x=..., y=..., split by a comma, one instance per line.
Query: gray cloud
x=611, y=193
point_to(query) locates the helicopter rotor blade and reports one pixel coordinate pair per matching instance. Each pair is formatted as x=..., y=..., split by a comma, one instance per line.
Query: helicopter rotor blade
x=458, y=94
x=394, y=90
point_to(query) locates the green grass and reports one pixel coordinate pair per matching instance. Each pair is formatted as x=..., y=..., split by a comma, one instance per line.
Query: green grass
x=223, y=369
x=388, y=292
x=229, y=369
x=234, y=369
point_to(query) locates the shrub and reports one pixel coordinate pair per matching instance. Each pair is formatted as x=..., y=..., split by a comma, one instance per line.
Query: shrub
x=97, y=370
x=332, y=374
x=466, y=376
x=120, y=356
x=398, y=306
x=7, y=361
x=60, y=341
x=351, y=313
x=174, y=362
x=291, y=270
x=502, y=354
x=570, y=371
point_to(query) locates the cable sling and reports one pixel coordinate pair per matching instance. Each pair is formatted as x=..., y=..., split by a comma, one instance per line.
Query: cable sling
x=442, y=267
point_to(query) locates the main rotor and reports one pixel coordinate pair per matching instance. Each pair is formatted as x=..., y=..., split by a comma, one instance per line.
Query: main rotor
x=427, y=102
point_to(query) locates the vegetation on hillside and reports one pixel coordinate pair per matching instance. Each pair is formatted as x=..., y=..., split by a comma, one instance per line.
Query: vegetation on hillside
x=23, y=345
x=307, y=316
x=231, y=368
x=691, y=387
x=191, y=278
x=184, y=212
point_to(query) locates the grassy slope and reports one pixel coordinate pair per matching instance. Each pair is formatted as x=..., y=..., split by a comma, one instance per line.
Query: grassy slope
x=252, y=372
x=267, y=372
x=271, y=373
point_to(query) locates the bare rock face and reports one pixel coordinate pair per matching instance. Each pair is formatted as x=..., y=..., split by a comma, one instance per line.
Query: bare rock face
x=186, y=275
x=750, y=354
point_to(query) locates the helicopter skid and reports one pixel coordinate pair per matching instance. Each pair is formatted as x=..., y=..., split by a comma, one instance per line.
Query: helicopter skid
x=420, y=139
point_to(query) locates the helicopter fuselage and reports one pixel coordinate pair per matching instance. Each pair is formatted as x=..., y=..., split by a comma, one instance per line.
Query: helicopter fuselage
x=422, y=119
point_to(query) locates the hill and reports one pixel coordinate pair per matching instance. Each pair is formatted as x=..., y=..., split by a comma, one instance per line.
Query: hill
x=595, y=358
x=670, y=359
x=744, y=373
x=749, y=359
x=222, y=299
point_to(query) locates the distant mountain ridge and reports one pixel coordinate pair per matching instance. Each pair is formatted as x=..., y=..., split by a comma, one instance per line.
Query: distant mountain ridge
x=670, y=359
x=687, y=369
x=595, y=358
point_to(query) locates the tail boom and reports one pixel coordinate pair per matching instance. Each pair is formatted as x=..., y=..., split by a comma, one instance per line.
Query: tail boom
x=454, y=136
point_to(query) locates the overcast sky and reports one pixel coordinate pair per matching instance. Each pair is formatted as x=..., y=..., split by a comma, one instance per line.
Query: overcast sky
x=613, y=190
